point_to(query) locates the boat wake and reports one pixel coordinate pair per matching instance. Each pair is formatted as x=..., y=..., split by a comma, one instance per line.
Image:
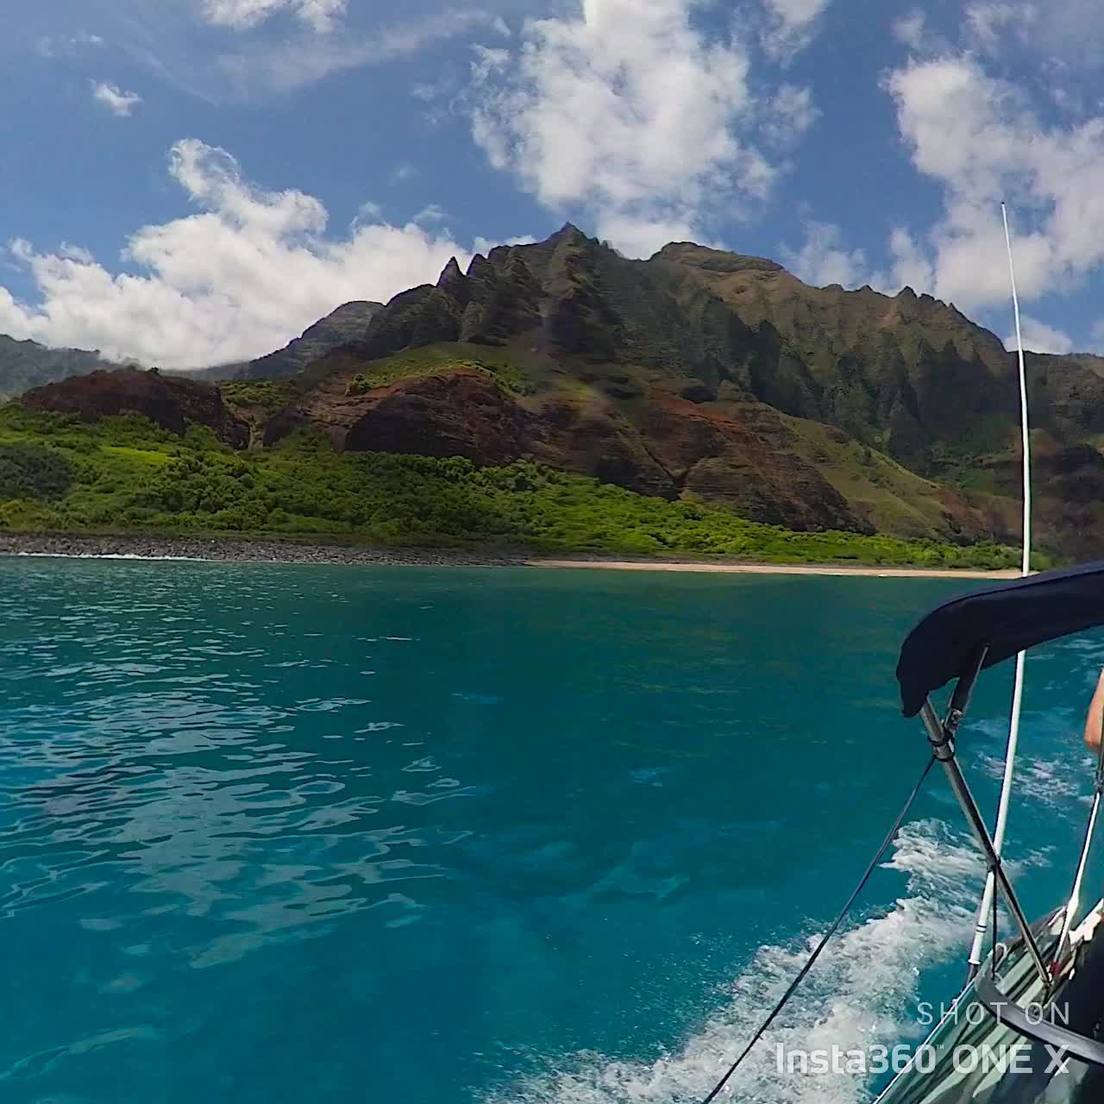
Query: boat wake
x=861, y=993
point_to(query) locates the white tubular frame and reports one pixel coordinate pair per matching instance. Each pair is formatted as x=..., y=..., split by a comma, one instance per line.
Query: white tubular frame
x=984, y=908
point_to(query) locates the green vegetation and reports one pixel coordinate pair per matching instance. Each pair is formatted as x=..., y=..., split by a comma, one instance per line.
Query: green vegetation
x=427, y=360
x=270, y=395
x=124, y=474
x=893, y=498
x=34, y=472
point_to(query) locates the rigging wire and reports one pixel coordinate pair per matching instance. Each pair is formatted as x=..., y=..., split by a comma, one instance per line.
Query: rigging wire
x=811, y=960
x=1025, y=569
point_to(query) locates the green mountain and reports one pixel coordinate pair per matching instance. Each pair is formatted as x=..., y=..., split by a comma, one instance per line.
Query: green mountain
x=341, y=326
x=705, y=374
x=700, y=379
x=26, y=364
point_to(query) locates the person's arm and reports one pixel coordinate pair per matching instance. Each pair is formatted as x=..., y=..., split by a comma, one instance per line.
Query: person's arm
x=1095, y=716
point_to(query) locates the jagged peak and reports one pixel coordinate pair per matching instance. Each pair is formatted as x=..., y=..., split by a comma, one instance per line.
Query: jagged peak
x=479, y=266
x=450, y=273
x=568, y=232
x=570, y=236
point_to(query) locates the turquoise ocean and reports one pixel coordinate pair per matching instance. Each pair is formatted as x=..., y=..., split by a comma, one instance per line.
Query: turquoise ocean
x=297, y=833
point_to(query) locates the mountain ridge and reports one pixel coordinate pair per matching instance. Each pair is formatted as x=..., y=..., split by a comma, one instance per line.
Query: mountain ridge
x=701, y=374
x=25, y=364
x=744, y=341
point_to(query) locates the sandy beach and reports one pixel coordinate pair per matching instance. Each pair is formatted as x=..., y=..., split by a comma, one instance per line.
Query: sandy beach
x=289, y=551
x=782, y=569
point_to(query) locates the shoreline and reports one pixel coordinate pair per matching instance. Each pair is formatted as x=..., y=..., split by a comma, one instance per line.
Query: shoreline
x=876, y=571
x=238, y=550
x=275, y=550
x=887, y=571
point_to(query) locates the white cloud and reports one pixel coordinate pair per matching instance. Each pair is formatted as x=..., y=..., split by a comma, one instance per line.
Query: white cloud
x=244, y=274
x=912, y=29
x=319, y=15
x=66, y=45
x=1040, y=338
x=258, y=67
x=977, y=137
x=988, y=21
x=790, y=113
x=822, y=258
x=118, y=102
x=432, y=213
x=911, y=266
x=1069, y=31
x=626, y=113
x=791, y=25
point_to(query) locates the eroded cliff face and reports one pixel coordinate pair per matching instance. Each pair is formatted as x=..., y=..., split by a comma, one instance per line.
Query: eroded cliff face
x=743, y=454
x=168, y=401
x=696, y=373
x=906, y=374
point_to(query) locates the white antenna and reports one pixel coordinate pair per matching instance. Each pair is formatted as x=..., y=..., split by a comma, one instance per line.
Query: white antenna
x=1025, y=569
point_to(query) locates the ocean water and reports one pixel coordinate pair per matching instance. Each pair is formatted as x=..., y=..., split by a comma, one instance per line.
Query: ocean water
x=295, y=833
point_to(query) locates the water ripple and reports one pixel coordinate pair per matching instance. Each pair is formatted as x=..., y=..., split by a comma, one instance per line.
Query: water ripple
x=159, y=757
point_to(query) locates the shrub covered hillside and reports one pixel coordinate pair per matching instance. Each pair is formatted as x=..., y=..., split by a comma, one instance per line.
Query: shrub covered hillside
x=124, y=474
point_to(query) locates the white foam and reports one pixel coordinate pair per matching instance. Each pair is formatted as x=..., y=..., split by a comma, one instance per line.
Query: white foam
x=110, y=556
x=861, y=992
x=1059, y=784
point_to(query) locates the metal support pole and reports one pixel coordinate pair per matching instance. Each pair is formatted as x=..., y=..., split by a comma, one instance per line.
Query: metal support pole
x=1003, y=803
x=943, y=749
x=1086, y=847
x=1025, y=569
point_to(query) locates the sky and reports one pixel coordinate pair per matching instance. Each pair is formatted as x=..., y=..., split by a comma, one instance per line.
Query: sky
x=192, y=182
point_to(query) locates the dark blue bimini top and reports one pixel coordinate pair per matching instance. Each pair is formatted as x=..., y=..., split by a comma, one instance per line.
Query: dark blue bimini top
x=1007, y=619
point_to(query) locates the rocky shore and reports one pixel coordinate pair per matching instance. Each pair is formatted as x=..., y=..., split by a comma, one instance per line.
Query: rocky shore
x=238, y=550
x=242, y=551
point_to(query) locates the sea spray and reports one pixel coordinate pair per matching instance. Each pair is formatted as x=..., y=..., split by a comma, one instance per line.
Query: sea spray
x=861, y=995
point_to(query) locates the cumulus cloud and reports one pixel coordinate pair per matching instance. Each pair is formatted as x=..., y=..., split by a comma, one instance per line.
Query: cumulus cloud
x=1040, y=338
x=975, y=136
x=625, y=112
x=245, y=273
x=791, y=25
x=320, y=15
x=823, y=259
x=118, y=102
x=911, y=266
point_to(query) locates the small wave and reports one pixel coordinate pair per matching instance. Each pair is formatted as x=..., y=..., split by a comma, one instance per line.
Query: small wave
x=112, y=556
x=1058, y=784
x=859, y=994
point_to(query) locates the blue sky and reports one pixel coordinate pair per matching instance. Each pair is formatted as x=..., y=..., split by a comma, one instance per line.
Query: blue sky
x=194, y=181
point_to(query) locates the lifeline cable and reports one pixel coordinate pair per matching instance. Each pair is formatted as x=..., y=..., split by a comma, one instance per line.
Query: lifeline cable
x=810, y=962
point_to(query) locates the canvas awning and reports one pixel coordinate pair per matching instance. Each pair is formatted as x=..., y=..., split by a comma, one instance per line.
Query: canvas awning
x=1005, y=619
